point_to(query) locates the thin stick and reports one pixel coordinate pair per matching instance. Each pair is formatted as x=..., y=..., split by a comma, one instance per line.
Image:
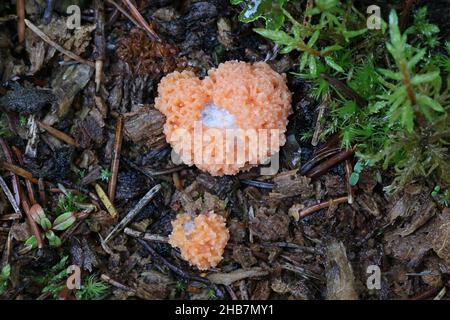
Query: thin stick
x=318, y=130
x=15, y=178
x=20, y=11
x=344, y=89
x=10, y=197
x=125, y=13
x=12, y=216
x=47, y=39
x=99, y=41
x=116, y=284
x=324, y=166
x=106, y=201
x=137, y=15
x=317, y=158
x=169, y=265
x=115, y=159
x=143, y=235
x=19, y=171
x=58, y=134
x=320, y=206
x=348, y=173
x=130, y=216
x=30, y=190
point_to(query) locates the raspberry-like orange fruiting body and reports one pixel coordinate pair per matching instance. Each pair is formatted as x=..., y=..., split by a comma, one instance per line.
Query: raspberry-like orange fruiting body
x=250, y=101
x=201, y=239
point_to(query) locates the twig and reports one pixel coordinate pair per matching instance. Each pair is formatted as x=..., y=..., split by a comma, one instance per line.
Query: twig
x=137, y=15
x=320, y=206
x=348, y=173
x=125, y=13
x=169, y=265
x=106, y=201
x=14, y=178
x=318, y=130
x=47, y=39
x=331, y=143
x=58, y=134
x=12, y=216
x=10, y=197
x=30, y=190
x=441, y=294
x=19, y=171
x=143, y=235
x=324, y=166
x=258, y=184
x=116, y=284
x=99, y=41
x=136, y=209
x=344, y=89
x=115, y=159
x=20, y=11
x=317, y=158
x=289, y=245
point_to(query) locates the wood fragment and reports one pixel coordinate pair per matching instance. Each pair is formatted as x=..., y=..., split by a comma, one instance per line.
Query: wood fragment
x=318, y=130
x=19, y=171
x=99, y=42
x=15, y=178
x=58, y=134
x=116, y=284
x=327, y=164
x=115, y=159
x=105, y=200
x=345, y=90
x=47, y=39
x=144, y=235
x=10, y=196
x=172, y=267
x=228, y=278
x=317, y=158
x=20, y=11
x=28, y=184
x=348, y=173
x=322, y=205
x=12, y=216
x=133, y=212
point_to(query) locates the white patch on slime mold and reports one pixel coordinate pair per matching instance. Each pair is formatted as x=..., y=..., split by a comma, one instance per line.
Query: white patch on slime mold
x=217, y=117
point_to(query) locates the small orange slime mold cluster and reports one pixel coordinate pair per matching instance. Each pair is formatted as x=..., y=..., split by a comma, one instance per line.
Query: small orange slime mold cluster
x=201, y=239
x=234, y=96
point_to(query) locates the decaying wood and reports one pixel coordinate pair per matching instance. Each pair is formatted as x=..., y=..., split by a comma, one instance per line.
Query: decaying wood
x=47, y=39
